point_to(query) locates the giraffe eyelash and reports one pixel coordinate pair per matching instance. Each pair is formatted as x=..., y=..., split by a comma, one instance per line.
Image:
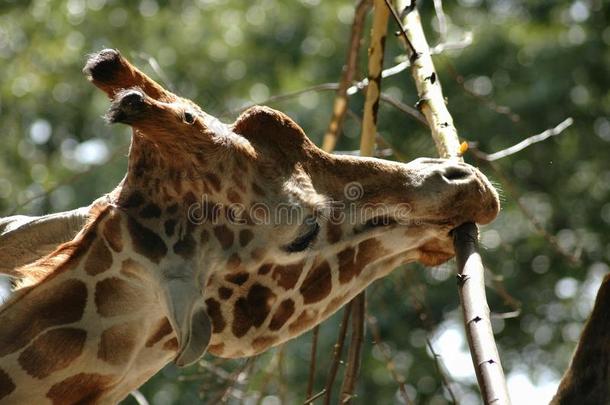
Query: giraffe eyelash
x=304, y=241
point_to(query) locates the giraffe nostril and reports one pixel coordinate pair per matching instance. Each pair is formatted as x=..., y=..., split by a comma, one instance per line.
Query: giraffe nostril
x=456, y=173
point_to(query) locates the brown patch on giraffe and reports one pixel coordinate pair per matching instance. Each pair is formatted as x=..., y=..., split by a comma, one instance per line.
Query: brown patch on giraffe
x=112, y=232
x=225, y=293
x=306, y=319
x=265, y=268
x=99, y=259
x=117, y=343
x=258, y=190
x=133, y=270
x=204, y=237
x=150, y=210
x=245, y=236
x=233, y=262
x=171, y=345
x=263, y=342
x=163, y=329
x=333, y=233
x=237, y=278
x=215, y=314
x=252, y=310
x=213, y=181
x=237, y=179
x=170, y=227
x=6, y=384
x=145, y=241
x=352, y=264
x=217, y=349
x=189, y=198
x=282, y=314
x=82, y=388
x=115, y=296
x=258, y=253
x=317, y=284
x=233, y=196
x=48, y=307
x=287, y=276
x=172, y=209
x=185, y=247
x=53, y=350
x=134, y=200
x=224, y=235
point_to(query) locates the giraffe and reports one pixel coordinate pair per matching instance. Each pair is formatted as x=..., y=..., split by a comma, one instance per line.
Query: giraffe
x=227, y=239
x=587, y=379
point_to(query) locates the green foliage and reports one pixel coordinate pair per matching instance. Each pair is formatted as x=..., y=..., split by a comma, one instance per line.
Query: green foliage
x=544, y=61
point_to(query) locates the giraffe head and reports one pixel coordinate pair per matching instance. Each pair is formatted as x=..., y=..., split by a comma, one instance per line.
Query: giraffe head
x=258, y=233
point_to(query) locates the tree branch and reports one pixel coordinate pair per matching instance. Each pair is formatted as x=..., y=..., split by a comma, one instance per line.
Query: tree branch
x=347, y=76
x=332, y=373
x=471, y=286
x=527, y=142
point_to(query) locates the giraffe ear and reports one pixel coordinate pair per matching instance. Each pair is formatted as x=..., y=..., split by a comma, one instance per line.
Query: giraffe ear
x=189, y=319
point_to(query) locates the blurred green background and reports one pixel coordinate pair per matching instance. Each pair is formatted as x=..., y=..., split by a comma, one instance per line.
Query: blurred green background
x=531, y=64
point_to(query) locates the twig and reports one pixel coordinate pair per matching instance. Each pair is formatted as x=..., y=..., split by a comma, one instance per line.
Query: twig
x=402, y=66
x=388, y=359
x=471, y=286
x=355, y=349
x=310, y=400
x=338, y=350
x=423, y=313
x=573, y=259
x=232, y=379
x=527, y=142
x=312, y=360
x=347, y=76
x=413, y=53
x=442, y=19
x=139, y=397
x=486, y=101
x=407, y=109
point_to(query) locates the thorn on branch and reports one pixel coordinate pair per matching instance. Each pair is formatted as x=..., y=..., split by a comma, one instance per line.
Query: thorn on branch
x=462, y=278
x=476, y=319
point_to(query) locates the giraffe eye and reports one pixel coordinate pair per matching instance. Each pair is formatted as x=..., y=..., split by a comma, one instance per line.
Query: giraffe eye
x=189, y=118
x=304, y=240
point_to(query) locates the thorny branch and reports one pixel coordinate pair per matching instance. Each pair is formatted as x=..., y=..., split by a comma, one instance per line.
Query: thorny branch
x=471, y=287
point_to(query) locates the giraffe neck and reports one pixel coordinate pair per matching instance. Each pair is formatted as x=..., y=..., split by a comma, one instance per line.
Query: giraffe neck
x=92, y=329
x=587, y=380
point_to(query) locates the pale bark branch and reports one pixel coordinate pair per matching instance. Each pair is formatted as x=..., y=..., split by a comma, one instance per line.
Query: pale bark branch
x=471, y=286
